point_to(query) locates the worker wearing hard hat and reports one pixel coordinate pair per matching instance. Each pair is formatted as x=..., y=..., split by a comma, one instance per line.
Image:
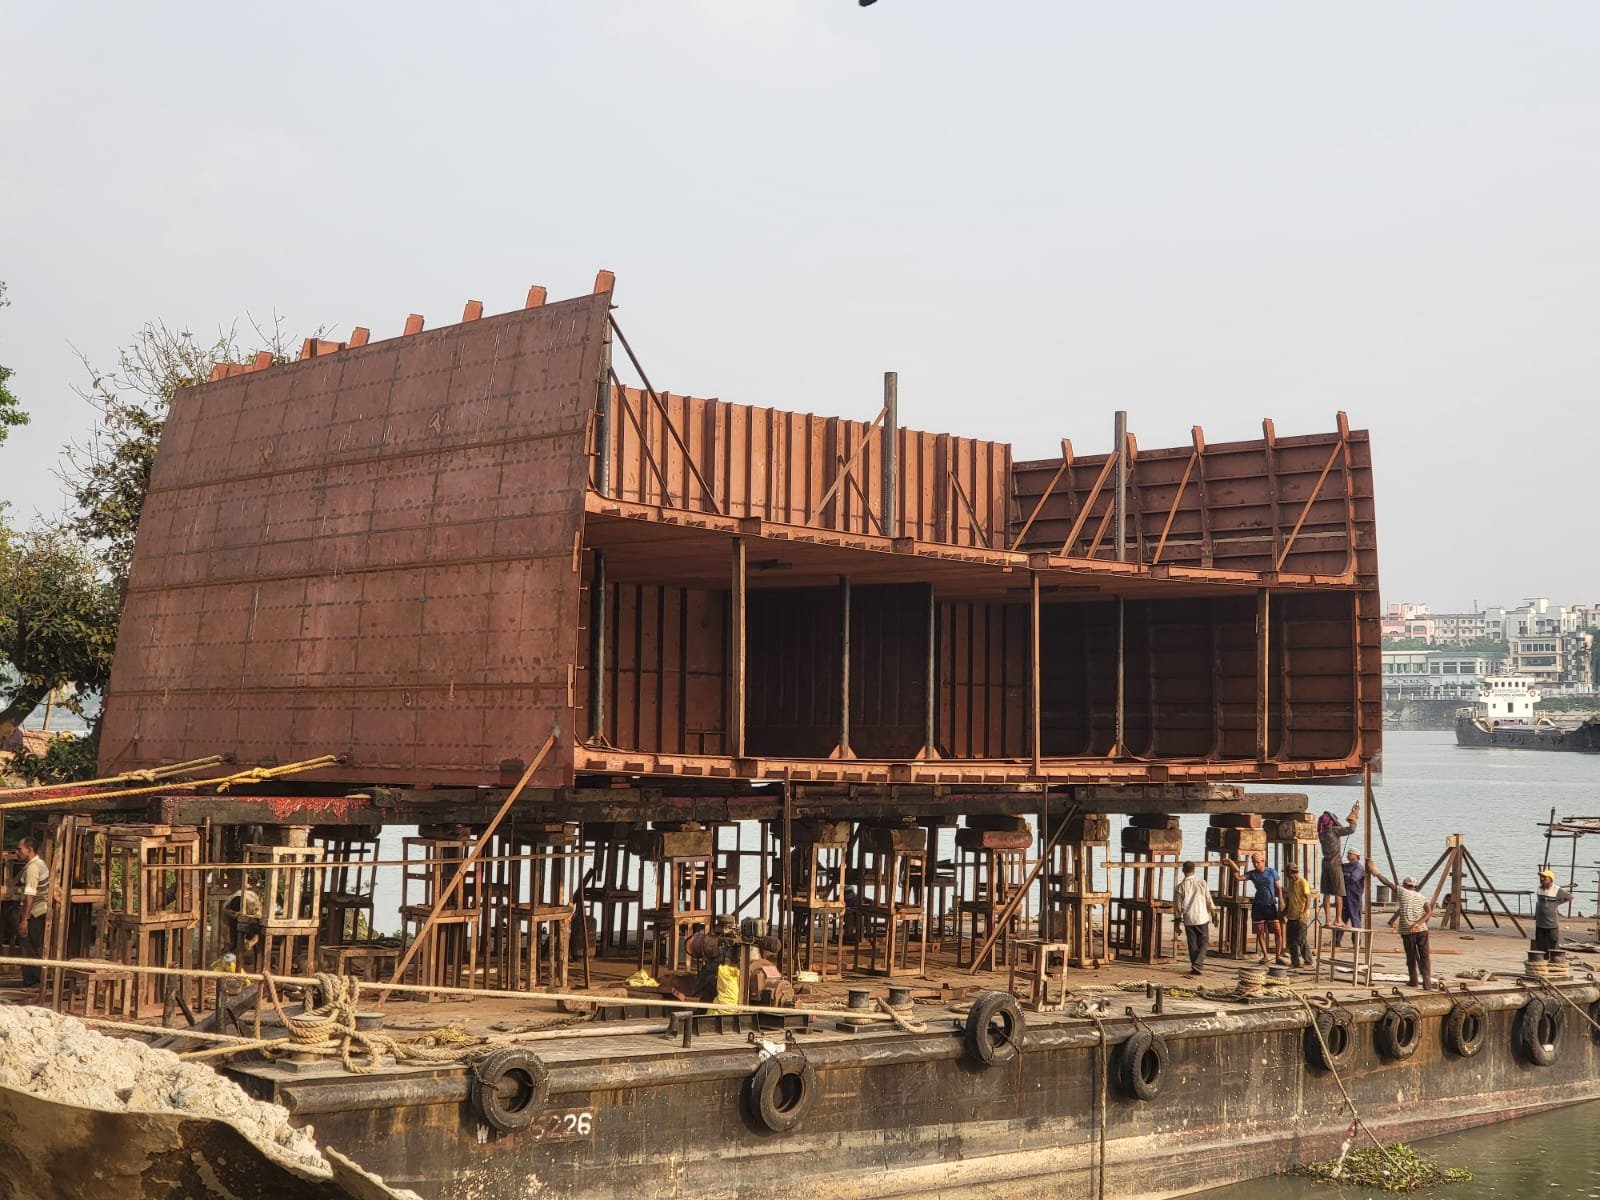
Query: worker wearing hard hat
x=1547, y=911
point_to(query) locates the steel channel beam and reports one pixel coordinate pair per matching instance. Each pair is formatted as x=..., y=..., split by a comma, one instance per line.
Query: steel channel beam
x=597, y=647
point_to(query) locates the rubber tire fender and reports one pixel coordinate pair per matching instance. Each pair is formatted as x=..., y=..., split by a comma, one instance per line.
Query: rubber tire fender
x=776, y=1102
x=1594, y=1020
x=1338, y=1031
x=1399, y=1031
x=509, y=1088
x=981, y=1041
x=1141, y=1062
x=1465, y=1026
x=1526, y=1029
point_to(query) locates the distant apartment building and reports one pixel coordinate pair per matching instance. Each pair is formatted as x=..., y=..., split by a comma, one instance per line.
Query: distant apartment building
x=1436, y=674
x=1546, y=642
x=1458, y=629
x=1553, y=658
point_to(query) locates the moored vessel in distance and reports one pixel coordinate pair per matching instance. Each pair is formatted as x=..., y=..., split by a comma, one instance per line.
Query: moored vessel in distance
x=1504, y=718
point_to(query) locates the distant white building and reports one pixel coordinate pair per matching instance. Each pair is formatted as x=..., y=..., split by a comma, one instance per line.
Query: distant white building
x=1436, y=674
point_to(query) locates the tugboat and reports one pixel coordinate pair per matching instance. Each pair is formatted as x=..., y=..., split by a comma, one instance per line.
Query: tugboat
x=1504, y=718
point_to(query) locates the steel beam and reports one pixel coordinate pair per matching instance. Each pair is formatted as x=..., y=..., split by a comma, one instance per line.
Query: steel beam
x=738, y=700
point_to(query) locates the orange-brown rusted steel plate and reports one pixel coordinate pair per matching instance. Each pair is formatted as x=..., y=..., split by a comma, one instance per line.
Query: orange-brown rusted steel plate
x=370, y=553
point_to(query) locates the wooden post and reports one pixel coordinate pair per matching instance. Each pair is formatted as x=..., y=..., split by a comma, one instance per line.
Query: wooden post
x=1003, y=915
x=1456, y=883
x=1366, y=860
x=469, y=862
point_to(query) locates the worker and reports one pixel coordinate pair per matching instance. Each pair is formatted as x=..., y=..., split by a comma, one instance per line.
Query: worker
x=1265, y=905
x=1195, y=910
x=1355, y=887
x=1412, y=910
x=1547, y=911
x=1297, y=915
x=36, y=903
x=1329, y=832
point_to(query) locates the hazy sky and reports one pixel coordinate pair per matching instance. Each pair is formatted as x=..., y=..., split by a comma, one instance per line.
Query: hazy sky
x=1037, y=212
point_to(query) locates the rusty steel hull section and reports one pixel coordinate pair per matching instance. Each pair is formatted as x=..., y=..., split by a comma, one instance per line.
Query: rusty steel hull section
x=371, y=552
x=423, y=553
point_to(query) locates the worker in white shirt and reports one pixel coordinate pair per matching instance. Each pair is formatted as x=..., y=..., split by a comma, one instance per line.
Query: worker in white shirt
x=36, y=902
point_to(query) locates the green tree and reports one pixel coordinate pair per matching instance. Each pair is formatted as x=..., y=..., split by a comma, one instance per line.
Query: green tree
x=109, y=473
x=11, y=414
x=58, y=622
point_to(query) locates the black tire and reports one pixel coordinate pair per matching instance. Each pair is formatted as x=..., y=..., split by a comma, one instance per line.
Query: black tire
x=1141, y=1062
x=509, y=1088
x=1337, y=1028
x=1536, y=1033
x=1399, y=1031
x=994, y=1028
x=782, y=1089
x=1465, y=1027
x=1594, y=1020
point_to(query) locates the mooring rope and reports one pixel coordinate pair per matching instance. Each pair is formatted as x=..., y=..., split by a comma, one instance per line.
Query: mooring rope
x=1099, y=1174
x=1327, y=1058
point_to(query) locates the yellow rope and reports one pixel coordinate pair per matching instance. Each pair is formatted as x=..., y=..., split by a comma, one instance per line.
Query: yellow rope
x=149, y=775
x=253, y=775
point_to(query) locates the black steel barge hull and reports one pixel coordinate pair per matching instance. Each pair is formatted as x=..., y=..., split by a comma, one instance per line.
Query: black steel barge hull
x=900, y=1114
x=1585, y=739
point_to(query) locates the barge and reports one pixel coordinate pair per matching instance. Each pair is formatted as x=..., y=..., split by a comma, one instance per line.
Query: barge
x=1505, y=718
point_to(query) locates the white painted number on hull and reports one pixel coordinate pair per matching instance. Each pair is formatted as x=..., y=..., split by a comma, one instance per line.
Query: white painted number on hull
x=563, y=1126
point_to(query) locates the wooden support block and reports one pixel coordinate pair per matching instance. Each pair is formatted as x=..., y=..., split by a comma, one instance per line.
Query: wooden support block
x=1236, y=820
x=998, y=822
x=1237, y=841
x=1087, y=827
x=1153, y=821
x=1152, y=841
x=1295, y=829
x=993, y=839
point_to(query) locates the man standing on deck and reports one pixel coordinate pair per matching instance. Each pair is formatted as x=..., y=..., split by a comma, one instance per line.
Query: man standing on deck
x=1195, y=910
x=1411, y=913
x=1355, y=880
x=1265, y=904
x=1297, y=915
x=1547, y=904
x=1329, y=831
x=36, y=901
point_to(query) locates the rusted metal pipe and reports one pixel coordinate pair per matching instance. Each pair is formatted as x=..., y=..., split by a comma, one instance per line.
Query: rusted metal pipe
x=891, y=458
x=1121, y=496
